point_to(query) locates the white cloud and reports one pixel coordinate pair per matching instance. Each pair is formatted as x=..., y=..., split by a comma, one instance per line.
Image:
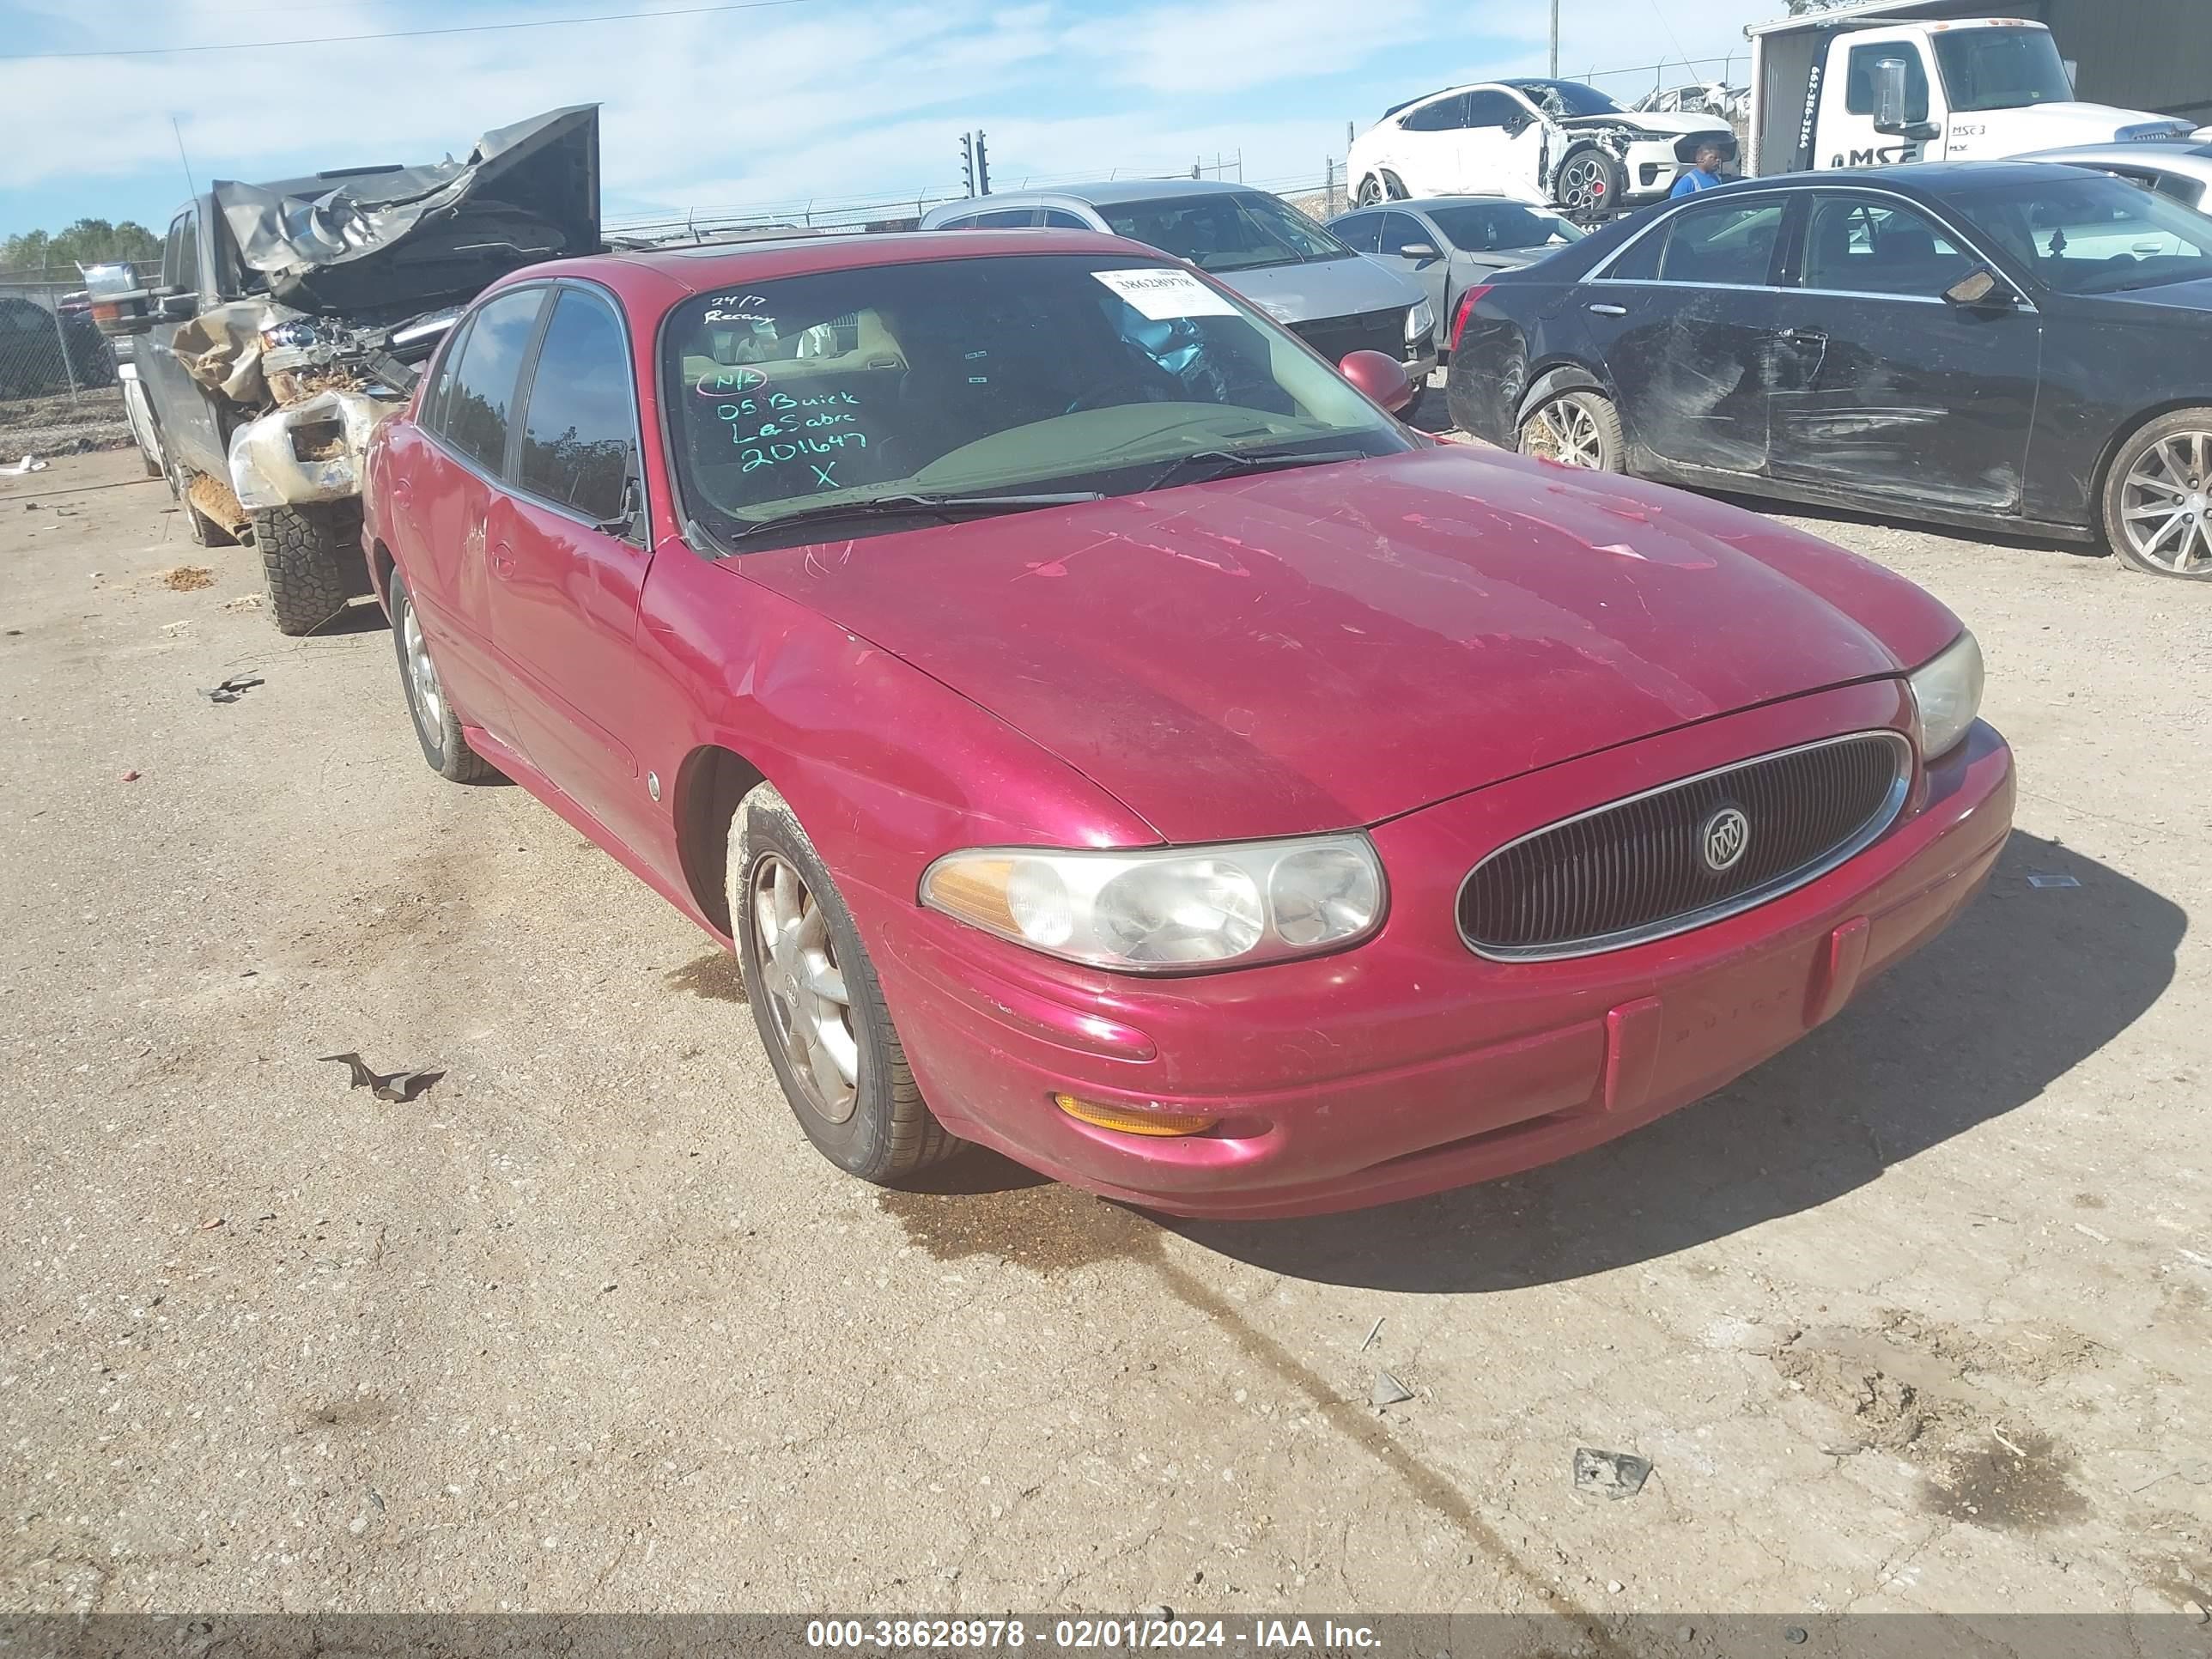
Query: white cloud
x=776, y=107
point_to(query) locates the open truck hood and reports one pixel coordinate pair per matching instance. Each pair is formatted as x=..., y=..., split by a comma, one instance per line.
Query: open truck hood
x=377, y=244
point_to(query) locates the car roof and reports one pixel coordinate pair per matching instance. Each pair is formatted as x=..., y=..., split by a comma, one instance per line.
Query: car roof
x=1934, y=179
x=2168, y=151
x=1111, y=192
x=662, y=276
x=1423, y=203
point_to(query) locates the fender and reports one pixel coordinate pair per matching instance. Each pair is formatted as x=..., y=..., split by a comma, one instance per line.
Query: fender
x=1567, y=377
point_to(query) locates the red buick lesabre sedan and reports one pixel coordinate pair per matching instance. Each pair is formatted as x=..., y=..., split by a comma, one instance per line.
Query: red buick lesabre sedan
x=1106, y=735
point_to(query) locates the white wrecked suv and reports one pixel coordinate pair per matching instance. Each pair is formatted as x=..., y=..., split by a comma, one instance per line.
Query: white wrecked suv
x=1555, y=144
x=289, y=319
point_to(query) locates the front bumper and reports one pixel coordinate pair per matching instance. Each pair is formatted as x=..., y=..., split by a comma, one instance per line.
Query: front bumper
x=1408, y=1065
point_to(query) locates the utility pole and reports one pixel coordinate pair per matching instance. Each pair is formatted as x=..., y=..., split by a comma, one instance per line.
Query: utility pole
x=968, y=162
x=982, y=165
x=1555, y=40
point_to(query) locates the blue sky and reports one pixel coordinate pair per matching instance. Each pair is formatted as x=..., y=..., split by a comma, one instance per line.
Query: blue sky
x=767, y=109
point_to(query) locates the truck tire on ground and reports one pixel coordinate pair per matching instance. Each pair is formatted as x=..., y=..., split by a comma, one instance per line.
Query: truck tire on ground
x=1576, y=429
x=305, y=553
x=2157, y=506
x=205, y=531
x=1588, y=185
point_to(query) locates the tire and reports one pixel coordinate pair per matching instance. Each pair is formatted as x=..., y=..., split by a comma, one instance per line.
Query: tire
x=1588, y=185
x=304, y=554
x=204, y=531
x=875, y=1124
x=2161, y=483
x=1578, y=428
x=1370, y=191
x=437, y=727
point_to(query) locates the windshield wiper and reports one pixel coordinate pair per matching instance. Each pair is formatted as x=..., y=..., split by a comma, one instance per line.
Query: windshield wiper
x=907, y=505
x=1226, y=461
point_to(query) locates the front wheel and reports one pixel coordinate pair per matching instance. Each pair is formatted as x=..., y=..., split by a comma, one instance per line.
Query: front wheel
x=819, y=1008
x=304, y=554
x=2158, y=498
x=1590, y=186
x=1370, y=191
x=1576, y=429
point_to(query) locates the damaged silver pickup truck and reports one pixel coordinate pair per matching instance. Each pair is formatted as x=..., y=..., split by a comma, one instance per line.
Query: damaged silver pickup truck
x=291, y=317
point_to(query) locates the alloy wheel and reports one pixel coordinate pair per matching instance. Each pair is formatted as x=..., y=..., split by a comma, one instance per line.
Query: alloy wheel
x=2165, y=504
x=1565, y=432
x=428, y=696
x=806, y=989
x=1371, y=191
x=1581, y=185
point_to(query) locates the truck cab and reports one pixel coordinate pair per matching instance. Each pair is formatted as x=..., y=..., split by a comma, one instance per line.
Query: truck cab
x=1884, y=83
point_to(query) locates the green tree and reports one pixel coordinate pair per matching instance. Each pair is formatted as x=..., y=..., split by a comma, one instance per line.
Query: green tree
x=87, y=242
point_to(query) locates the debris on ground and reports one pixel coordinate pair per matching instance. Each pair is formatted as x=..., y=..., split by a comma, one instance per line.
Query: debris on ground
x=130, y=777
x=1614, y=1474
x=2196, y=1610
x=1371, y=1335
x=233, y=687
x=187, y=578
x=28, y=463
x=245, y=602
x=401, y=1086
x=2036, y=880
x=1388, y=1391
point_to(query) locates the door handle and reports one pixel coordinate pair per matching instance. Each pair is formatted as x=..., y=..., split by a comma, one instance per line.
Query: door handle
x=502, y=561
x=1607, y=310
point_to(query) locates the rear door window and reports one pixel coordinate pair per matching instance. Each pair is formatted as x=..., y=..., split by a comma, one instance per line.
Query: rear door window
x=1726, y=242
x=480, y=398
x=1061, y=219
x=1006, y=218
x=1445, y=115
x=580, y=432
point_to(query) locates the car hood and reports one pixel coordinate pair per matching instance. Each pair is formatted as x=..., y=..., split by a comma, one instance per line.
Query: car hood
x=2038, y=126
x=1321, y=287
x=1670, y=122
x=376, y=244
x=1335, y=645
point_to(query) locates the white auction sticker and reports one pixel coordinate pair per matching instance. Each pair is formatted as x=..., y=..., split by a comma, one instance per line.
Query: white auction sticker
x=1163, y=295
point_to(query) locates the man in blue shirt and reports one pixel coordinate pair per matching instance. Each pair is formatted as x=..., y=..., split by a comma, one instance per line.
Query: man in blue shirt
x=1704, y=174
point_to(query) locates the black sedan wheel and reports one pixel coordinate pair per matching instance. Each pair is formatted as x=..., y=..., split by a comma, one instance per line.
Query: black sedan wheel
x=2158, y=497
x=1576, y=429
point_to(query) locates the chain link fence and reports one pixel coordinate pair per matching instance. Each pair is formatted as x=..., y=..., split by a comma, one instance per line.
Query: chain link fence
x=58, y=391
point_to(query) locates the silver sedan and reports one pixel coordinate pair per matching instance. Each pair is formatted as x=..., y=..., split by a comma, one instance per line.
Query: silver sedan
x=1449, y=244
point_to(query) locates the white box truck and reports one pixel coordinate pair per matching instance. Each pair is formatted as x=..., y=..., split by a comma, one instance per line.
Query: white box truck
x=1893, y=81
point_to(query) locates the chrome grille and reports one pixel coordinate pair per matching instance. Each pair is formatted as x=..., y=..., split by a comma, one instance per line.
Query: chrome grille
x=1637, y=869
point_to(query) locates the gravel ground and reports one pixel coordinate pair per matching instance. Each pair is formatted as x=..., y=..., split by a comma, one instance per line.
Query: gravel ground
x=1918, y=1316
x=63, y=425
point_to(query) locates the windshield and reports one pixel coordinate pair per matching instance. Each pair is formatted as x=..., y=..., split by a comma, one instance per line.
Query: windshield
x=1023, y=374
x=1503, y=226
x=2000, y=69
x=1225, y=232
x=2084, y=232
x=1565, y=98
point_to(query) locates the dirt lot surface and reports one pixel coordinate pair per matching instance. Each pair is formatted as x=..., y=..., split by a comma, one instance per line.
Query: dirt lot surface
x=63, y=424
x=1918, y=1315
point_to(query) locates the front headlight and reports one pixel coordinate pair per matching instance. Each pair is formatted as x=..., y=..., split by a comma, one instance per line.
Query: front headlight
x=1949, y=693
x=1420, y=323
x=1161, y=909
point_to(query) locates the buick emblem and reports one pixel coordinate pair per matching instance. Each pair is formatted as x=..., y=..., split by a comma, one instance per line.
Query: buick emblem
x=1723, y=838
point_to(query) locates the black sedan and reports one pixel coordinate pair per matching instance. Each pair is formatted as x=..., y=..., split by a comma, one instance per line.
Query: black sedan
x=2021, y=346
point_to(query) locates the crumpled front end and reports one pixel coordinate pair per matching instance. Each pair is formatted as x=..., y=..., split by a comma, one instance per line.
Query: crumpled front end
x=312, y=452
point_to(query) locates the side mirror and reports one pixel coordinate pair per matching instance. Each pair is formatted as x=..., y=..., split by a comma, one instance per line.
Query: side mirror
x=1889, y=96
x=1979, y=289
x=1417, y=251
x=1382, y=378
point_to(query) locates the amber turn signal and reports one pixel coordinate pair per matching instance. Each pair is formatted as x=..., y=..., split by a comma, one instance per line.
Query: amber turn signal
x=1132, y=1123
